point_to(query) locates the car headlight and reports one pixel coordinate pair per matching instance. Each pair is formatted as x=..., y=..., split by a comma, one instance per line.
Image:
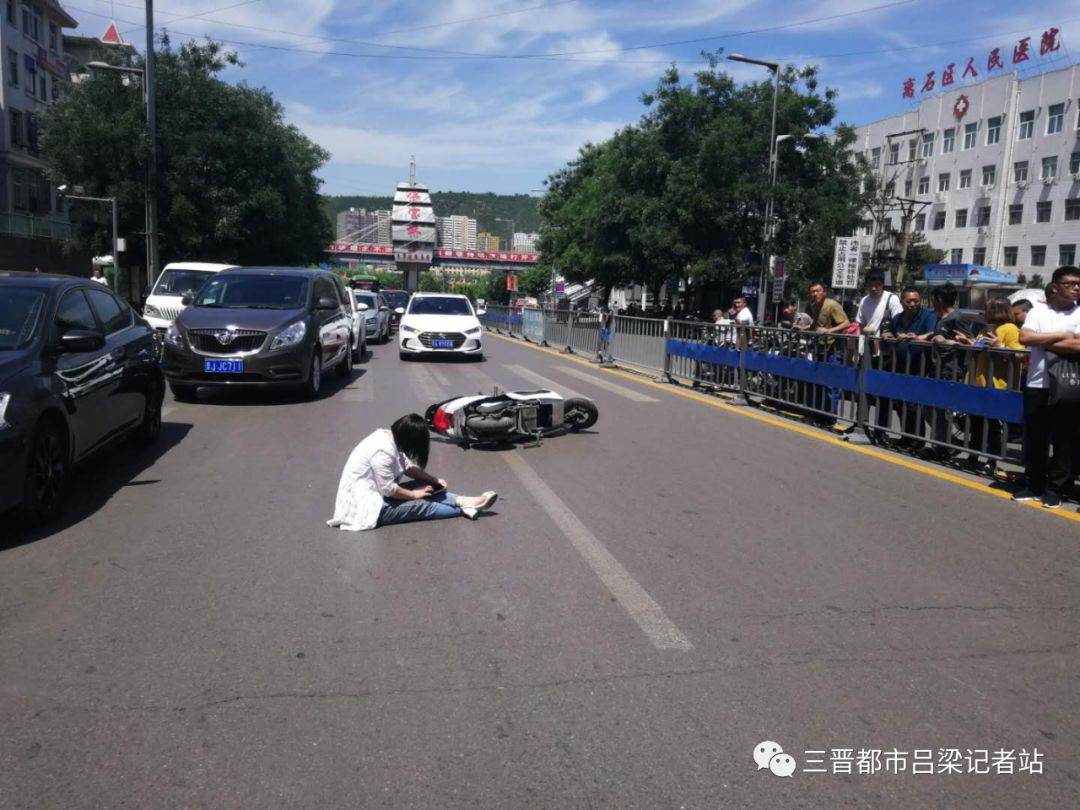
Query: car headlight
x=474, y=331
x=174, y=337
x=150, y=311
x=4, y=400
x=408, y=329
x=289, y=336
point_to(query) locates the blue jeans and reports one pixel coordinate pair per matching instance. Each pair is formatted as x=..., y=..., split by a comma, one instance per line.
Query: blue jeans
x=436, y=507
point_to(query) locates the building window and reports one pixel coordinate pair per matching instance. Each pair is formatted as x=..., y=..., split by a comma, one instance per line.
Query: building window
x=1020, y=171
x=907, y=187
x=969, y=134
x=20, y=192
x=939, y=220
x=1038, y=255
x=875, y=157
x=31, y=78
x=1072, y=209
x=948, y=140
x=894, y=154
x=928, y=144
x=1055, y=121
x=978, y=256
x=912, y=150
x=1027, y=125
x=13, y=68
x=965, y=178
x=1074, y=163
x=989, y=174
x=1049, y=167
x=993, y=130
x=982, y=216
x=31, y=132
x=920, y=222
x=26, y=26
x=17, y=137
x=924, y=184
x=943, y=182
x=54, y=37
x=1066, y=255
x=890, y=188
x=1043, y=211
x=868, y=227
x=1010, y=256
x=1016, y=214
x=43, y=89
x=957, y=256
x=961, y=218
x=11, y=12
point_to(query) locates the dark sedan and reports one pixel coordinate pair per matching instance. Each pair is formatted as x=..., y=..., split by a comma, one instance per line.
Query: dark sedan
x=78, y=369
x=261, y=326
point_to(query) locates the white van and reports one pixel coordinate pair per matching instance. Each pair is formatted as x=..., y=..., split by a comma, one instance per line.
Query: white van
x=177, y=280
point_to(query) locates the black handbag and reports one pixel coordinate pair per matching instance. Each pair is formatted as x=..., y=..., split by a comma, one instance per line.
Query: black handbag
x=1064, y=375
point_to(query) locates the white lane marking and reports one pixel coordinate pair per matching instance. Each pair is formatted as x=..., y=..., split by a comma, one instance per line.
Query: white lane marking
x=487, y=383
x=541, y=380
x=423, y=383
x=607, y=385
x=649, y=616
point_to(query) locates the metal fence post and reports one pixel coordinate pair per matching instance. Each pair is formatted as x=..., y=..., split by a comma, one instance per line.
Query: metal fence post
x=665, y=375
x=860, y=434
x=569, y=333
x=543, y=327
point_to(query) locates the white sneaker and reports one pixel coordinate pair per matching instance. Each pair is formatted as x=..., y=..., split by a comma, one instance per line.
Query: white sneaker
x=486, y=501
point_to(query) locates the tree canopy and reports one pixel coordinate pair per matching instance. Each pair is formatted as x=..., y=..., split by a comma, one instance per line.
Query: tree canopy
x=682, y=193
x=235, y=182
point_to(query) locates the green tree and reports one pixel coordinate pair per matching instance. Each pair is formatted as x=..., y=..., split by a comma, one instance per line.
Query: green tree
x=235, y=184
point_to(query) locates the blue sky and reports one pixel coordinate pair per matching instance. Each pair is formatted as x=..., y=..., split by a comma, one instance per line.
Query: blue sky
x=494, y=95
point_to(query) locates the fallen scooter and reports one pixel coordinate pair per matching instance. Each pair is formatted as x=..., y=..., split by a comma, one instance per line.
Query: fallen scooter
x=509, y=416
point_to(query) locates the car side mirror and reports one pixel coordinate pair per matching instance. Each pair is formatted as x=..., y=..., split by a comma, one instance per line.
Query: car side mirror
x=327, y=303
x=186, y=301
x=384, y=309
x=400, y=310
x=77, y=341
x=362, y=307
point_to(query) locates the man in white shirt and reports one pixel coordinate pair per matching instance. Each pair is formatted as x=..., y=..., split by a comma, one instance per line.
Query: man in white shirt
x=743, y=315
x=1049, y=430
x=877, y=307
x=99, y=277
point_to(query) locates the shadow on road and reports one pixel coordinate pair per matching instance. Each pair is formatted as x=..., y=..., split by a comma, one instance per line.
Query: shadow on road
x=332, y=384
x=94, y=483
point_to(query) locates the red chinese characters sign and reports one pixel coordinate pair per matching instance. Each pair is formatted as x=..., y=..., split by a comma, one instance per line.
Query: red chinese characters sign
x=1022, y=52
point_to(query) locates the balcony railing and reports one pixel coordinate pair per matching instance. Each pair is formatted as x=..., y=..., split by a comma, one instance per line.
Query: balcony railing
x=14, y=224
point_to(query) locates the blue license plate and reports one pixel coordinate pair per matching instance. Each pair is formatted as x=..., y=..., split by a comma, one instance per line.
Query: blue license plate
x=223, y=366
x=442, y=344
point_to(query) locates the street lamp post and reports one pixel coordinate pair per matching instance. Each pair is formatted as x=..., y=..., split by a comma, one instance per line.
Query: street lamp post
x=775, y=68
x=510, y=244
x=150, y=194
x=115, y=229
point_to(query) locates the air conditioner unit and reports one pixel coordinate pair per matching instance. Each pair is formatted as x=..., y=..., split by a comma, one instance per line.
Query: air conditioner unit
x=984, y=230
x=940, y=196
x=1075, y=176
x=921, y=161
x=1021, y=183
x=1049, y=180
x=988, y=187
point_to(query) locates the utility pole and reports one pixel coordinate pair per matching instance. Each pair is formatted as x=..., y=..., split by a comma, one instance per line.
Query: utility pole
x=151, y=162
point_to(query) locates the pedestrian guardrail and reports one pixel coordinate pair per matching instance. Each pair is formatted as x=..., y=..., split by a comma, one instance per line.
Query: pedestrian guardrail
x=950, y=397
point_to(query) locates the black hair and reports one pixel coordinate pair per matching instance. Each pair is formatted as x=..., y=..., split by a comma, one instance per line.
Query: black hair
x=907, y=290
x=821, y=284
x=1024, y=304
x=946, y=295
x=788, y=302
x=875, y=275
x=1065, y=270
x=412, y=439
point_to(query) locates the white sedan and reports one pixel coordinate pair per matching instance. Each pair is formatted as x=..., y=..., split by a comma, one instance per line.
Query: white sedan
x=440, y=323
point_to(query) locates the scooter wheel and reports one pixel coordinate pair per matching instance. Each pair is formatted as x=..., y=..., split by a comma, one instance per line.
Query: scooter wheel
x=580, y=413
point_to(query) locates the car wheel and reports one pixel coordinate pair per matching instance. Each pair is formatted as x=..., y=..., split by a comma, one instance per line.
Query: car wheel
x=149, y=429
x=344, y=368
x=46, y=475
x=182, y=393
x=314, y=381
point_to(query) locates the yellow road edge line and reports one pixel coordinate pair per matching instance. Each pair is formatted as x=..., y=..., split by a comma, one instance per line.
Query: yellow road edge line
x=794, y=428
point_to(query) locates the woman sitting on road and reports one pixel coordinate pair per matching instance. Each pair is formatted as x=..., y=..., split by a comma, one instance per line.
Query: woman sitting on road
x=369, y=496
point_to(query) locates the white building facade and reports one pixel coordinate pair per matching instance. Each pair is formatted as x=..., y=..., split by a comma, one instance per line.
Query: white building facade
x=525, y=242
x=456, y=232
x=997, y=165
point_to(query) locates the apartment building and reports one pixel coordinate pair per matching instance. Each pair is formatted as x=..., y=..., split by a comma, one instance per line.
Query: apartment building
x=994, y=169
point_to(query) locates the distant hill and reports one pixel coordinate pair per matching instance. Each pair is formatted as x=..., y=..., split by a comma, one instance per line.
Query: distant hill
x=484, y=208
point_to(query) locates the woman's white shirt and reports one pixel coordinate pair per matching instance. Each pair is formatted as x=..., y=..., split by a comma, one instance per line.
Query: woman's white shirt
x=370, y=474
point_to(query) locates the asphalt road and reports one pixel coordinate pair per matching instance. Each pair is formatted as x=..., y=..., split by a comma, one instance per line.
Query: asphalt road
x=647, y=603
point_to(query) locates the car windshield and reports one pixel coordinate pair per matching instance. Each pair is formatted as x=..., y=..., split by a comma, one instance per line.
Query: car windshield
x=396, y=299
x=439, y=306
x=20, y=313
x=366, y=298
x=181, y=282
x=254, y=292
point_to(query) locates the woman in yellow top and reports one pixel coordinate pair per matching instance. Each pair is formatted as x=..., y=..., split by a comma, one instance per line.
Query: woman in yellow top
x=996, y=369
